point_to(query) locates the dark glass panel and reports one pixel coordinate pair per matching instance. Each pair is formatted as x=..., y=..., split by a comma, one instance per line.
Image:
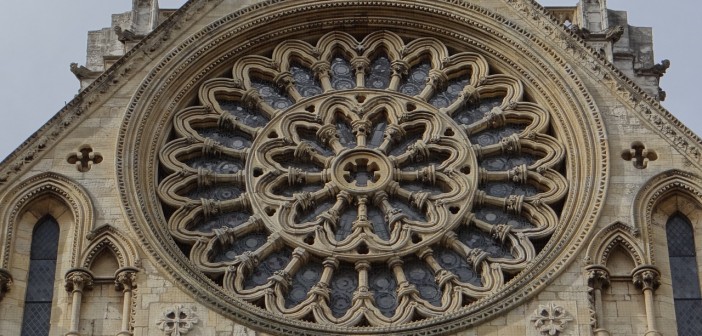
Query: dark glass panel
x=495, y=215
x=302, y=282
x=453, y=262
x=344, y=283
x=226, y=138
x=246, y=116
x=305, y=82
x=219, y=165
x=36, y=318
x=271, y=94
x=689, y=319
x=473, y=112
x=422, y=277
x=219, y=192
x=448, y=95
x=416, y=80
x=503, y=189
x=40, y=283
x=681, y=238
x=245, y=243
x=379, y=73
x=276, y=261
x=230, y=220
x=506, y=162
x=477, y=239
x=384, y=286
x=342, y=74
x=45, y=240
x=493, y=136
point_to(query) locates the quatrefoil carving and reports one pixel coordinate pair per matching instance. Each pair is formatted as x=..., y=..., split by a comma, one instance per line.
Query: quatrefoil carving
x=639, y=155
x=84, y=158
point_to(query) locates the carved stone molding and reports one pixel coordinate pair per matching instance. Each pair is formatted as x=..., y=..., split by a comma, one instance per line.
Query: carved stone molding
x=5, y=282
x=78, y=280
x=125, y=279
x=551, y=319
x=646, y=277
x=177, y=321
x=597, y=276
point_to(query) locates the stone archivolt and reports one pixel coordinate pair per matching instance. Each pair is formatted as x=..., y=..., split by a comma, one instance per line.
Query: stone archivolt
x=366, y=182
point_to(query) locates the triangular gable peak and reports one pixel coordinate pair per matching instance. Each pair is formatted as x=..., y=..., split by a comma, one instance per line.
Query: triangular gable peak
x=568, y=41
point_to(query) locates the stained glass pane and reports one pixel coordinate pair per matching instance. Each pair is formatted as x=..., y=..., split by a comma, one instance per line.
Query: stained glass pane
x=384, y=286
x=342, y=75
x=421, y=276
x=687, y=313
x=304, y=279
x=473, y=112
x=245, y=115
x=379, y=73
x=305, y=82
x=45, y=240
x=230, y=220
x=415, y=81
x=245, y=243
x=274, y=262
x=36, y=320
x=448, y=95
x=343, y=284
x=40, y=282
x=226, y=138
x=683, y=269
x=681, y=239
x=271, y=94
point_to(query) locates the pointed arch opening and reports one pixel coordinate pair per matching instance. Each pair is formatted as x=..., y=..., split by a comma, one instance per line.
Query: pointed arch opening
x=36, y=320
x=684, y=273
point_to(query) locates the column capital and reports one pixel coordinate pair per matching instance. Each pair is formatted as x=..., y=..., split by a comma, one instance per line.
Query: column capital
x=597, y=276
x=78, y=279
x=5, y=282
x=646, y=277
x=125, y=278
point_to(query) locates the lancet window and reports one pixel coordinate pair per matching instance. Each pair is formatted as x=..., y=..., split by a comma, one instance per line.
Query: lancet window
x=685, y=275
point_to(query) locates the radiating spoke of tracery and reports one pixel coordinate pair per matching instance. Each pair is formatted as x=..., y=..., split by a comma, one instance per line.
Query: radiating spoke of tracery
x=368, y=182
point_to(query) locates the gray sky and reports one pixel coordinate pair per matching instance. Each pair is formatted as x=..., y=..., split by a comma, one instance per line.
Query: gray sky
x=42, y=37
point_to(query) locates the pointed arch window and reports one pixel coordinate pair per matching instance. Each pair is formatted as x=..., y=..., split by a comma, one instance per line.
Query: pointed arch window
x=40, y=282
x=685, y=275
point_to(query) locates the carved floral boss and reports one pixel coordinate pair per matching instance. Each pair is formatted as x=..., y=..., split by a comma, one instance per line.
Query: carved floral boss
x=362, y=183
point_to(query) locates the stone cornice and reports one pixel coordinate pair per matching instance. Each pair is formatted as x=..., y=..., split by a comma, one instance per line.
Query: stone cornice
x=647, y=108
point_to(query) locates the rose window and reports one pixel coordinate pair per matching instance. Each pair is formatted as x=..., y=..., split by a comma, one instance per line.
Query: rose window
x=362, y=183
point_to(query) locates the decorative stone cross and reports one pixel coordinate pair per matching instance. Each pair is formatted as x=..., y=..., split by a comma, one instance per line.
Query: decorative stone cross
x=639, y=155
x=84, y=158
x=177, y=321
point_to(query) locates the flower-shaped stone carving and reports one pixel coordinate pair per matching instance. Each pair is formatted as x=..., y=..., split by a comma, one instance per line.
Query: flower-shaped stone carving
x=363, y=182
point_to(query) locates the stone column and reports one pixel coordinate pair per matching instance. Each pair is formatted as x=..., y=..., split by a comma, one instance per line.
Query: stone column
x=647, y=278
x=125, y=281
x=597, y=280
x=77, y=280
x=5, y=282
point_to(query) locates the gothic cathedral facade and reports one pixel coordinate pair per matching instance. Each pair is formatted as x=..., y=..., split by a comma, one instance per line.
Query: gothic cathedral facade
x=361, y=167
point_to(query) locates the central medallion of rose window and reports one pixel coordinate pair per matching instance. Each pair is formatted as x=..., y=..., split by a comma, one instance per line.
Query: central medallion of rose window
x=362, y=176
x=362, y=183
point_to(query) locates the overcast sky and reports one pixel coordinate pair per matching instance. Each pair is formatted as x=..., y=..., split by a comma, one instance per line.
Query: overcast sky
x=40, y=38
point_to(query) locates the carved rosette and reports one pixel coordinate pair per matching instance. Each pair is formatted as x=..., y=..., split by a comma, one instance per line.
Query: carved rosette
x=551, y=319
x=177, y=321
x=362, y=182
x=78, y=280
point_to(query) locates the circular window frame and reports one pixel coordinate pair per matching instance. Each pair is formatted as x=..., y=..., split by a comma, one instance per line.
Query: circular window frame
x=209, y=52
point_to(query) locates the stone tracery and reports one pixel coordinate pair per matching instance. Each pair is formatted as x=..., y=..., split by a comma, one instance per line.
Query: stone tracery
x=362, y=183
